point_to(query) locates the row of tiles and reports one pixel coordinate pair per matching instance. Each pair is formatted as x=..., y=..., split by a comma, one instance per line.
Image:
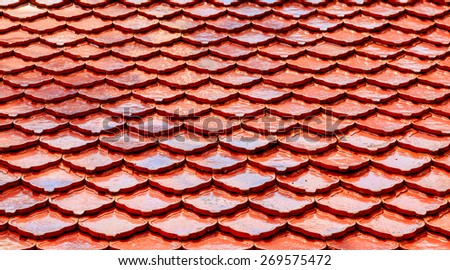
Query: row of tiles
x=215, y=202
x=246, y=10
x=245, y=180
x=169, y=61
x=212, y=94
x=284, y=240
x=245, y=141
x=245, y=224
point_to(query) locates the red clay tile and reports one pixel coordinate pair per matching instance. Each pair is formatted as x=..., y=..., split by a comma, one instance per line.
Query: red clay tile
x=211, y=93
x=426, y=10
x=437, y=36
x=8, y=93
x=426, y=50
x=157, y=93
x=95, y=124
x=437, y=78
x=274, y=23
x=89, y=25
x=17, y=38
x=8, y=178
x=424, y=142
x=252, y=37
x=25, y=12
x=43, y=25
x=214, y=202
x=434, y=124
x=339, y=78
x=299, y=37
x=93, y=160
x=160, y=64
x=311, y=64
x=69, y=12
x=441, y=109
x=433, y=181
x=18, y=201
x=228, y=24
x=204, y=11
x=293, y=10
x=414, y=203
x=378, y=51
x=401, y=161
x=287, y=78
x=382, y=10
x=86, y=51
x=279, y=50
x=216, y=160
x=238, y=108
x=347, y=203
x=326, y=125
x=52, y=180
x=72, y=241
x=157, y=37
x=72, y=108
x=131, y=78
x=213, y=125
x=181, y=181
x=113, y=11
x=349, y=109
x=280, y=202
x=372, y=181
x=42, y=224
x=160, y=11
x=231, y=50
x=62, y=38
x=340, y=160
x=135, y=23
x=218, y=241
x=112, y=225
x=439, y=223
x=443, y=22
x=12, y=65
x=386, y=77
x=260, y=64
x=345, y=36
x=390, y=225
x=195, y=225
x=30, y=78
x=338, y=10
x=366, y=142
x=383, y=125
x=293, y=108
x=411, y=64
x=204, y=37
x=183, y=108
x=370, y=93
x=40, y=123
x=147, y=202
x=290, y=241
x=79, y=79
x=426, y=241
x=320, y=23
x=109, y=64
x=116, y=180
x=153, y=125
x=278, y=160
x=181, y=24
x=424, y=94
x=12, y=241
x=250, y=224
x=307, y=143
x=128, y=108
x=126, y=142
x=92, y=3
x=210, y=64
x=249, y=11
x=20, y=108
x=110, y=37
x=362, y=22
x=7, y=25
x=183, y=51
x=245, y=180
x=67, y=141
x=154, y=161
x=403, y=108
x=81, y=202
x=3, y=222
x=361, y=64
x=318, y=224
x=134, y=51
x=317, y=93
x=187, y=143
x=183, y=79
x=393, y=37
x=411, y=24
x=360, y=241
x=34, y=159
x=247, y=142
x=11, y=140
x=145, y=241
x=50, y=93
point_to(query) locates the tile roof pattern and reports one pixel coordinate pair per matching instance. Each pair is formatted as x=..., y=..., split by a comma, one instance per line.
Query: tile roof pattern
x=218, y=124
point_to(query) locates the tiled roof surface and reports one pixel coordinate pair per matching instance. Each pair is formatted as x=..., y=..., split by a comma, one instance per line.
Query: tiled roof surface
x=224, y=124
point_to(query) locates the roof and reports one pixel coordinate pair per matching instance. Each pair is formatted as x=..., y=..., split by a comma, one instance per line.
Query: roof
x=224, y=124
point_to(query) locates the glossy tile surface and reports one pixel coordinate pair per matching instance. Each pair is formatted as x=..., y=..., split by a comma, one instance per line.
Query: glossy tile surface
x=224, y=125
